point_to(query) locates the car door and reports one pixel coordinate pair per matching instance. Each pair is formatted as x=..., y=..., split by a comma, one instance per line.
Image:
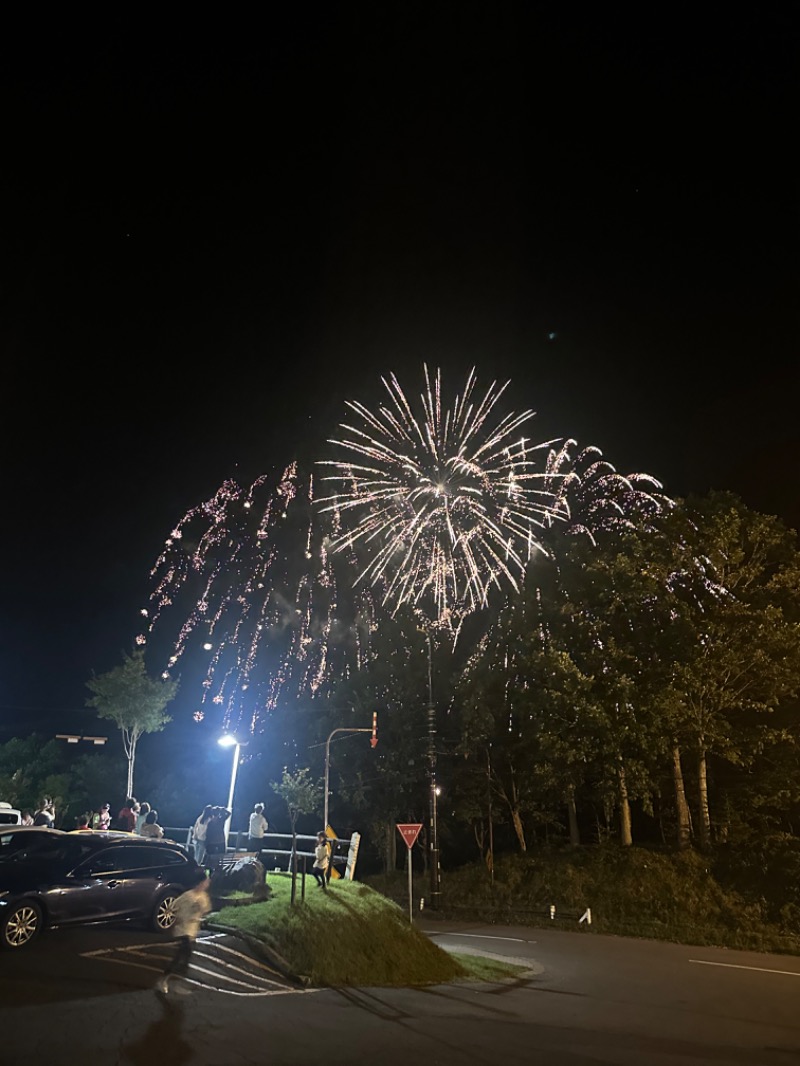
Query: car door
x=97, y=890
x=150, y=868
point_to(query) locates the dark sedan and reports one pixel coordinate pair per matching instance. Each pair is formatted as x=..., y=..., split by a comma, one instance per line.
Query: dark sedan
x=49, y=878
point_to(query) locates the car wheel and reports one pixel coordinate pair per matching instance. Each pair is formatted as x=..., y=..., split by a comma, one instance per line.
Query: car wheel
x=21, y=925
x=163, y=913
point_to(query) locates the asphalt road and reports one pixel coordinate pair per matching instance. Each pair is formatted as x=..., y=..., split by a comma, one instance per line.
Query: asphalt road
x=86, y=996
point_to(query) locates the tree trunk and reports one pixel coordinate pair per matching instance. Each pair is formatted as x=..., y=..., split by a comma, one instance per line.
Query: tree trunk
x=625, y=835
x=131, y=753
x=390, y=849
x=518, y=828
x=572, y=815
x=681, y=806
x=702, y=799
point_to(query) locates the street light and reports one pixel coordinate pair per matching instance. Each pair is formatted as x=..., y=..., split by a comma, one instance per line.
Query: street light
x=373, y=743
x=227, y=740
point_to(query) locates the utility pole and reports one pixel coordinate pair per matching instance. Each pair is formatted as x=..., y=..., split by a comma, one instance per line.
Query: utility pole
x=434, y=790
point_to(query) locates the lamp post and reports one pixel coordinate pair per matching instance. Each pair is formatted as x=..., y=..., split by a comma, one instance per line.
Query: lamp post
x=227, y=740
x=373, y=743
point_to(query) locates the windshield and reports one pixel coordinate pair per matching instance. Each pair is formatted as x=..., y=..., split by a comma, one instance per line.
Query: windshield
x=20, y=847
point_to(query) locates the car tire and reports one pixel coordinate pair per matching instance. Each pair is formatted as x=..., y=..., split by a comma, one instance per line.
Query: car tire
x=21, y=925
x=163, y=917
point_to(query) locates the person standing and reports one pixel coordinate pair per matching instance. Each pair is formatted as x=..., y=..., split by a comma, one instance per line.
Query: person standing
x=102, y=818
x=27, y=818
x=215, y=836
x=256, y=830
x=151, y=828
x=190, y=908
x=320, y=867
x=126, y=819
x=199, y=833
x=142, y=813
x=44, y=814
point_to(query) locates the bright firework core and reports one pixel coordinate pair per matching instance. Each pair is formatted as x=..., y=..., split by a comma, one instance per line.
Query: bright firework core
x=442, y=502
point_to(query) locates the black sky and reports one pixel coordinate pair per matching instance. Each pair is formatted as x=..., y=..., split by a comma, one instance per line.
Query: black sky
x=216, y=232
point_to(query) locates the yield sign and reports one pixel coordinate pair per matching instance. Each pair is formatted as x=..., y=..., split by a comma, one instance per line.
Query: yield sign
x=409, y=833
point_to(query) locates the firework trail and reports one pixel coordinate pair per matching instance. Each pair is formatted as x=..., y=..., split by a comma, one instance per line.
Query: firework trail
x=249, y=574
x=446, y=503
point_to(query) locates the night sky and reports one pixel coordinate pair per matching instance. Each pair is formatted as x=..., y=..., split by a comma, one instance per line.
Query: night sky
x=215, y=233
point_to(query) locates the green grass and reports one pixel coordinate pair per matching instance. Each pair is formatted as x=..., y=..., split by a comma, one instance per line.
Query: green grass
x=347, y=935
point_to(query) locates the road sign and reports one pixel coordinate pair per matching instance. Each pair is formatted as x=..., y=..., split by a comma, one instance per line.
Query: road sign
x=409, y=833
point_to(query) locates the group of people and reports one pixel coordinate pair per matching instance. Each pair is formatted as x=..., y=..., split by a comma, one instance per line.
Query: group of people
x=134, y=817
x=208, y=835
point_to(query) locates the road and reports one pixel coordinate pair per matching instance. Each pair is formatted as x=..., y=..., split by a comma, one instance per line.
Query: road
x=86, y=996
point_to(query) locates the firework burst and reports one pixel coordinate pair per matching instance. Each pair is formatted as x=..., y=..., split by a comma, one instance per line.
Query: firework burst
x=445, y=502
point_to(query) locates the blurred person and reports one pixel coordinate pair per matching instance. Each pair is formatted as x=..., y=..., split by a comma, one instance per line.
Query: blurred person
x=45, y=814
x=320, y=867
x=141, y=814
x=27, y=818
x=215, y=836
x=82, y=822
x=199, y=833
x=190, y=909
x=126, y=819
x=255, y=833
x=151, y=828
x=102, y=818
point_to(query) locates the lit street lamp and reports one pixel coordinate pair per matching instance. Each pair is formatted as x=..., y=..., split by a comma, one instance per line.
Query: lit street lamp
x=227, y=740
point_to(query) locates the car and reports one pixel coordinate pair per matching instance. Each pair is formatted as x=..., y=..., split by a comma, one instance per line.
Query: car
x=53, y=879
x=9, y=815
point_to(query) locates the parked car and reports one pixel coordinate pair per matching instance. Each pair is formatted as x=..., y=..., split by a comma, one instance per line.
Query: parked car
x=51, y=879
x=9, y=815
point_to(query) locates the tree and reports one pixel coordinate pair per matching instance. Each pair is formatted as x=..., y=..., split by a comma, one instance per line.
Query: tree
x=302, y=796
x=132, y=700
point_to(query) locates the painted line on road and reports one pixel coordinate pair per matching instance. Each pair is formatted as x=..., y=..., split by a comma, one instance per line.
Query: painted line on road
x=482, y=936
x=735, y=966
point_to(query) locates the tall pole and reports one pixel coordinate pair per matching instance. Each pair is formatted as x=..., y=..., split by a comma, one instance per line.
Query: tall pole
x=373, y=743
x=435, y=871
x=234, y=770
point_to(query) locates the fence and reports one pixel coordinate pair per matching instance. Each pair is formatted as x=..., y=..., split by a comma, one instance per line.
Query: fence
x=344, y=852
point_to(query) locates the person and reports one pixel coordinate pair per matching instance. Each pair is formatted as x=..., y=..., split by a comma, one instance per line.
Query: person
x=44, y=814
x=142, y=813
x=82, y=822
x=190, y=908
x=257, y=828
x=215, y=836
x=27, y=818
x=320, y=867
x=126, y=819
x=199, y=833
x=102, y=818
x=151, y=828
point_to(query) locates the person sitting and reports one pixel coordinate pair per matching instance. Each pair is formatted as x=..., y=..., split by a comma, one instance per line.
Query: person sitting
x=151, y=828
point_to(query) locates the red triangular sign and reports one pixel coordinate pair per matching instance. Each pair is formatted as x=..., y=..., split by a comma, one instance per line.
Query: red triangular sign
x=409, y=833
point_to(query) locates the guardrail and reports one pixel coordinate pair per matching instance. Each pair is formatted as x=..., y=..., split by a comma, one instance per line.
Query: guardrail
x=344, y=851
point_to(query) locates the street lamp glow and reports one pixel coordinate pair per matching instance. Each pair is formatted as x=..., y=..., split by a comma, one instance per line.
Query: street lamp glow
x=228, y=740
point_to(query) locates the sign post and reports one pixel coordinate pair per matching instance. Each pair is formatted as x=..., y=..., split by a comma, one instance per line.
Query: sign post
x=409, y=833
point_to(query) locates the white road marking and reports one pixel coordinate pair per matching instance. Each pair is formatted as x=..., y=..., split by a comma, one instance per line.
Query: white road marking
x=482, y=936
x=734, y=966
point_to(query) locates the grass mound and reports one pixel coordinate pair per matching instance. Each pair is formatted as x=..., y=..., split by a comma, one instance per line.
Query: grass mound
x=348, y=935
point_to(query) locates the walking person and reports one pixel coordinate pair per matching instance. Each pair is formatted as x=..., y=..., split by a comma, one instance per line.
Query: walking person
x=190, y=909
x=320, y=867
x=255, y=833
x=199, y=833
